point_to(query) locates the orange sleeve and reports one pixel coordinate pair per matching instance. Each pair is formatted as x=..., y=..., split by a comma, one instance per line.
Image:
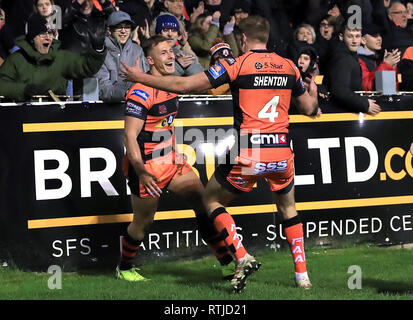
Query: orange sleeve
x=141, y=94
x=232, y=66
x=138, y=101
x=408, y=54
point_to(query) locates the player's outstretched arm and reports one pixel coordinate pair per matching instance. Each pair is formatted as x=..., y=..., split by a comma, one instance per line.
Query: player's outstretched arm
x=195, y=83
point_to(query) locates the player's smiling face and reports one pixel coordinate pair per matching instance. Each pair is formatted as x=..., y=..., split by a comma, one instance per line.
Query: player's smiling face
x=162, y=58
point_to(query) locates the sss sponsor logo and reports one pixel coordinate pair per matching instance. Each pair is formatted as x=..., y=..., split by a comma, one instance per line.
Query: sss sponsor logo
x=263, y=167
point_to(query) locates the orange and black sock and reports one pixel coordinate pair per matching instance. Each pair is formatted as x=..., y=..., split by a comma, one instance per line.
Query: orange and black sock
x=129, y=249
x=293, y=229
x=220, y=250
x=226, y=227
x=212, y=238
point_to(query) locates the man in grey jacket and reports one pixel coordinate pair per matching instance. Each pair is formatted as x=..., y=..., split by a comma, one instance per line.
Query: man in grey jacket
x=120, y=47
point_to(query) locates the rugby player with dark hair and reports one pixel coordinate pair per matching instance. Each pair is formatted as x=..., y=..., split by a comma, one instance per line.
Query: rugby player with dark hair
x=262, y=85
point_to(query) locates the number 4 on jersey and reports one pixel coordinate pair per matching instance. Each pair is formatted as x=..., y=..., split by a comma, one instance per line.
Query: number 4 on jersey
x=269, y=111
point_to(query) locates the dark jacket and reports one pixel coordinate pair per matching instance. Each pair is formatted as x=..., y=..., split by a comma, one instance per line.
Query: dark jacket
x=17, y=12
x=324, y=50
x=28, y=66
x=397, y=37
x=76, y=27
x=394, y=37
x=406, y=69
x=343, y=78
x=280, y=31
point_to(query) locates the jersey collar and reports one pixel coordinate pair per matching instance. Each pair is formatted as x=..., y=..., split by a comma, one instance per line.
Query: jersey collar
x=260, y=50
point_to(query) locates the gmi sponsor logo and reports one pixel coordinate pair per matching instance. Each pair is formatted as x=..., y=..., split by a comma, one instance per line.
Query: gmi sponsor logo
x=268, y=138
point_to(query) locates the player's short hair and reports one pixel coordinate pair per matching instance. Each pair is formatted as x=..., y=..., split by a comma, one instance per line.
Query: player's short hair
x=256, y=28
x=149, y=44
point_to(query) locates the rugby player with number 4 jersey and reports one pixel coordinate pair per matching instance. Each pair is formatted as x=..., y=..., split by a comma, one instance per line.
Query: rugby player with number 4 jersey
x=262, y=85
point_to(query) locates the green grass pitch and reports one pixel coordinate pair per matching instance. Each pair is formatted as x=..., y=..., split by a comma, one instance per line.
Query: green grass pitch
x=385, y=274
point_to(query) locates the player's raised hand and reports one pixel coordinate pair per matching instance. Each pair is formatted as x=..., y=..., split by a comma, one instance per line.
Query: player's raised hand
x=131, y=73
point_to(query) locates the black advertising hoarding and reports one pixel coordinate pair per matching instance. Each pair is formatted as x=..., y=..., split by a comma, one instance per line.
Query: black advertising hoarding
x=65, y=201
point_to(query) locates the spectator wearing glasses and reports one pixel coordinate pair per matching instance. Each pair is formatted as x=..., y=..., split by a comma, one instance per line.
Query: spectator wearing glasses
x=327, y=27
x=397, y=35
x=39, y=65
x=325, y=40
x=120, y=47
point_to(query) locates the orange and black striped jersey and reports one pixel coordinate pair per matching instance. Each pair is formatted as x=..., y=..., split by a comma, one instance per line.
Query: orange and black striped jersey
x=262, y=84
x=158, y=109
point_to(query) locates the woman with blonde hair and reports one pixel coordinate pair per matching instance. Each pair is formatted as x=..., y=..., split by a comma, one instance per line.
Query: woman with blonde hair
x=304, y=35
x=305, y=32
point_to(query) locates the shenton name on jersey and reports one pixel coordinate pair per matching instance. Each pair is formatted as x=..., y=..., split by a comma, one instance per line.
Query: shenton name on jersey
x=268, y=81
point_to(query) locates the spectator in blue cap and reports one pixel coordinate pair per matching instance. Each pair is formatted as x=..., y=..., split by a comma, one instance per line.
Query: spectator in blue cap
x=186, y=64
x=120, y=47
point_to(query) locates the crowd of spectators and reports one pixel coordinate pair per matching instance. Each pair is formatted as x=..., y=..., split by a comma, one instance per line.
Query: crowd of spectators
x=319, y=36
